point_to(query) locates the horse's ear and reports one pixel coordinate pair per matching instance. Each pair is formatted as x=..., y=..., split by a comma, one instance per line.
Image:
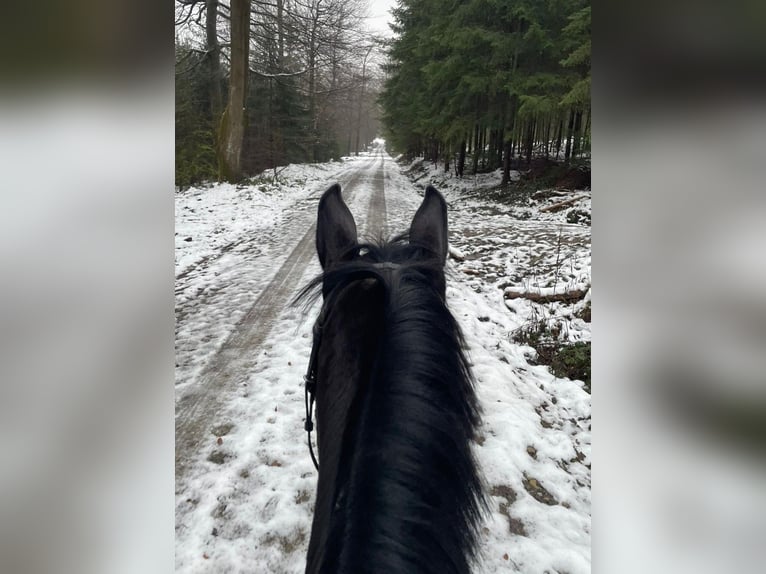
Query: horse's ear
x=336, y=229
x=429, y=226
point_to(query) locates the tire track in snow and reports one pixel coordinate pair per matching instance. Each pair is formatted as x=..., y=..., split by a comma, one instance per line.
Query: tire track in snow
x=198, y=405
x=376, y=211
x=246, y=242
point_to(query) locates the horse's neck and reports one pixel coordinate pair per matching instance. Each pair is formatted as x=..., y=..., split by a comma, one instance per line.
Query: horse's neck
x=350, y=342
x=405, y=490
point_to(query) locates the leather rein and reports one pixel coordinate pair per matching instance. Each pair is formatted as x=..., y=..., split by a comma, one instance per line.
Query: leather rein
x=310, y=384
x=310, y=378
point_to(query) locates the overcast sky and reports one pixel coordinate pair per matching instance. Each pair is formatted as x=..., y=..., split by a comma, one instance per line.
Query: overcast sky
x=379, y=16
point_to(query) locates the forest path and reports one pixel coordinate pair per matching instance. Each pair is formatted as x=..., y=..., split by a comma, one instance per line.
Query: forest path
x=199, y=403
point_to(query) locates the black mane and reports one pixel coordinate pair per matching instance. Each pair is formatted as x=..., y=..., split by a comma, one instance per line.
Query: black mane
x=399, y=489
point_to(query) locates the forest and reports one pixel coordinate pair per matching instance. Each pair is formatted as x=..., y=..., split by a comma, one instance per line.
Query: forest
x=475, y=84
x=489, y=81
x=260, y=84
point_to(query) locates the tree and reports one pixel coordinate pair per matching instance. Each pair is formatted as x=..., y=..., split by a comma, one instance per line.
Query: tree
x=213, y=57
x=195, y=146
x=293, y=77
x=232, y=129
x=487, y=80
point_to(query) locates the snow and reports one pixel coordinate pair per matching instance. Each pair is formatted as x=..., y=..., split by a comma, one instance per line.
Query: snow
x=249, y=509
x=220, y=214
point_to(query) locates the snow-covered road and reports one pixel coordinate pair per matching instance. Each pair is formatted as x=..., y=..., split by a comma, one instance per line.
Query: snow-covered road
x=244, y=480
x=199, y=404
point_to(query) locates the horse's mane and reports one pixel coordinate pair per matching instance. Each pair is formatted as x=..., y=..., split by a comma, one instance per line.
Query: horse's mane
x=411, y=493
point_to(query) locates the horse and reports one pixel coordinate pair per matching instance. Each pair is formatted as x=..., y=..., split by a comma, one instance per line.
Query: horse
x=399, y=490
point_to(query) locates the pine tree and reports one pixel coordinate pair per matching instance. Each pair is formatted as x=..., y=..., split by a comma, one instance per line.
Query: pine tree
x=488, y=79
x=195, y=142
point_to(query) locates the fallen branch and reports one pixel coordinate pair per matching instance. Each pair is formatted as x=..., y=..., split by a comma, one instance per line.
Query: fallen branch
x=548, y=193
x=547, y=294
x=456, y=254
x=562, y=204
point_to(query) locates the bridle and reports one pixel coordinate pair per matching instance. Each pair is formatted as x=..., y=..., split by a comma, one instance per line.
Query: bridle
x=310, y=378
x=310, y=384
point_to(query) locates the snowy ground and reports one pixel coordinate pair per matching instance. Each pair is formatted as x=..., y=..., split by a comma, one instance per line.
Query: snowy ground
x=245, y=482
x=514, y=246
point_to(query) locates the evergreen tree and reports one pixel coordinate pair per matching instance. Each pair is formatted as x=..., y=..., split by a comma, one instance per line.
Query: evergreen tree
x=195, y=143
x=491, y=78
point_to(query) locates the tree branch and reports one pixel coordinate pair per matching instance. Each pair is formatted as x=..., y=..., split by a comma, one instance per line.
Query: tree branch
x=278, y=74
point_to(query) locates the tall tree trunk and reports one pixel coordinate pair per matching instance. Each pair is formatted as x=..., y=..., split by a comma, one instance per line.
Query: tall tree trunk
x=507, y=152
x=491, y=143
x=280, y=33
x=547, y=140
x=529, y=143
x=476, y=151
x=500, y=148
x=577, y=134
x=515, y=146
x=213, y=58
x=511, y=140
x=359, y=115
x=312, y=87
x=570, y=129
x=234, y=117
x=361, y=98
x=559, y=138
x=271, y=125
x=482, y=148
x=491, y=148
x=461, y=159
x=498, y=162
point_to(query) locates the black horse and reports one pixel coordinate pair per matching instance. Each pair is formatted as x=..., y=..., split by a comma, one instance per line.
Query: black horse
x=399, y=490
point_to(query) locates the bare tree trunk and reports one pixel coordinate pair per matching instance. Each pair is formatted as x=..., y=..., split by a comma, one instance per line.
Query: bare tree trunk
x=312, y=98
x=586, y=133
x=280, y=33
x=482, y=146
x=271, y=128
x=234, y=117
x=476, y=151
x=508, y=150
x=313, y=53
x=491, y=148
x=361, y=98
x=509, y=143
x=529, y=144
x=213, y=58
x=500, y=148
x=461, y=159
x=570, y=129
x=577, y=134
x=547, y=140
